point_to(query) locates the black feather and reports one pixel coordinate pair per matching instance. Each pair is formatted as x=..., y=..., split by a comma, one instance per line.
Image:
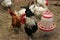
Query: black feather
x=28, y=11
x=30, y=31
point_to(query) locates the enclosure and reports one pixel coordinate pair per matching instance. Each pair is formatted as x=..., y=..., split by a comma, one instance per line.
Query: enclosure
x=5, y=23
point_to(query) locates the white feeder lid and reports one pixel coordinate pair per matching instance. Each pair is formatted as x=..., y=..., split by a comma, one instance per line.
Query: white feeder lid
x=47, y=14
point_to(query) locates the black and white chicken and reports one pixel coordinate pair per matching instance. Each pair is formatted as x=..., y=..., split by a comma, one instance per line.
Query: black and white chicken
x=30, y=24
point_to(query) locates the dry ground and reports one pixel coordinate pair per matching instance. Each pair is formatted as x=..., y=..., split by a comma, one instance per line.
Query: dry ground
x=5, y=24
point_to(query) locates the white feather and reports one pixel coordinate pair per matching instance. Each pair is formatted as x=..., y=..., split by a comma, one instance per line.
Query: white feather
x=32, y=7
x=22, y=11
x=37, y=8
x=41, y=2
x=30, y=21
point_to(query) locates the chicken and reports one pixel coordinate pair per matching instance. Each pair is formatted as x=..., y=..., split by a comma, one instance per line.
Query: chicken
x=30, y=23
x=6, y=3
x=39, y=7
x=15, y=21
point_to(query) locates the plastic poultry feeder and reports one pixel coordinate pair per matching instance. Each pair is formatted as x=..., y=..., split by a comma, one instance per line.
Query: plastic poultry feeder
x=46, y=24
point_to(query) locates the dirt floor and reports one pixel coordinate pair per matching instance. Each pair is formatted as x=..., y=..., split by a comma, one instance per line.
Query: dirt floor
x=5, y=24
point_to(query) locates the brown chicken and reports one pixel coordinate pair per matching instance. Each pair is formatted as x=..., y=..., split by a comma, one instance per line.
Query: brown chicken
x=15, y=20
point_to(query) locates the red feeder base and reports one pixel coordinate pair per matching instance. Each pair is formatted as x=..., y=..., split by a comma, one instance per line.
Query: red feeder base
x=46, y=29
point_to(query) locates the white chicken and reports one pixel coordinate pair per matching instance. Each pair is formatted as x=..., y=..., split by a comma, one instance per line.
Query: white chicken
x=6, y=3
x=39, y=7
